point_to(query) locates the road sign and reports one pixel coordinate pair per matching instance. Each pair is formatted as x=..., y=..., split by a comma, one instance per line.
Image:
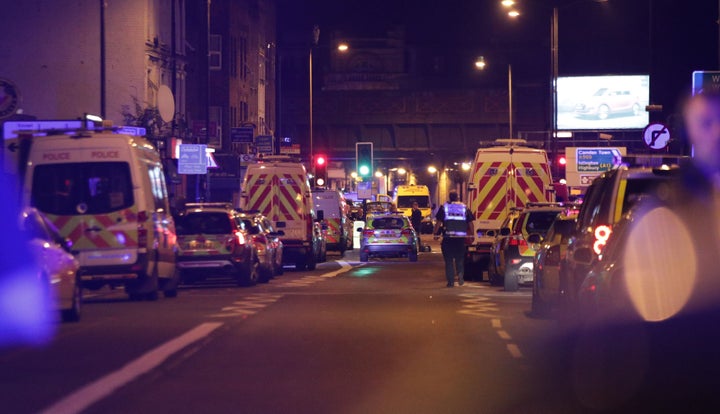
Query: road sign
x=247, y=158
x=656, y=136
x=264, y=144
x=597, y=160
x=584, y=164
x=242, y=135
x=134, y=131
x=193, y=159
x=290, y=150
x=364, y=190
x=211, y=163
x=703, y=80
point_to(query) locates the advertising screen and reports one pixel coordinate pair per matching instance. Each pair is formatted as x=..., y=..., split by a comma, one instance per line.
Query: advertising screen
x=603, y=102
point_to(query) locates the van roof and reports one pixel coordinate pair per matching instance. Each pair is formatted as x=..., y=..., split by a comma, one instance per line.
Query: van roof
x=276, y=164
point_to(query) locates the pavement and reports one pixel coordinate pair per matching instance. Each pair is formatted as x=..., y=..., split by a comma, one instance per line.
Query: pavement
x=380, y=337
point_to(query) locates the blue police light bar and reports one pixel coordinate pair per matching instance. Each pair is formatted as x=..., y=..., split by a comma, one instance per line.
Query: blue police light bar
x=131, y=130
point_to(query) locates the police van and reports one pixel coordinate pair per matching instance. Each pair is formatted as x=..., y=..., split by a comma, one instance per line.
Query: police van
x=280, y=190
x=106, y=193
x=338, y=226
x=503, y=177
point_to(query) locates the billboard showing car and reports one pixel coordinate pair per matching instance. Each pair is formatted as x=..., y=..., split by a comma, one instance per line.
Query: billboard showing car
x=603, y=102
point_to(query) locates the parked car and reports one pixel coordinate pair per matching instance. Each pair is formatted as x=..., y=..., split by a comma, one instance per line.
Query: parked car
x=548, y=261
x=514, y=259
x=606, y=102
x=611, y=195
x=58, y=267
x=212, y=242
x=388, y=235
x=264, y=241
x=497, y=249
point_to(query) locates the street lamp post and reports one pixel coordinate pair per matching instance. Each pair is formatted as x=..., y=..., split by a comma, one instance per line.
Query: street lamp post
x=480, y=64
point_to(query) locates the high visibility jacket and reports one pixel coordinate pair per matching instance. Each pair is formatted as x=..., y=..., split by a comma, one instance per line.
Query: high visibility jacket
x=455, y=221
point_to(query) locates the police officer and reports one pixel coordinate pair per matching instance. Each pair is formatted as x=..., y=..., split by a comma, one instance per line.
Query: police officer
x=455, y=221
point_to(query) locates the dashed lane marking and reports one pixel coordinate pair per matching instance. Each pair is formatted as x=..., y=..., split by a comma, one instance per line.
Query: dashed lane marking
x=504, y=335
x=248, y=305
x=496, y=323
x=90, y=394
x=514, y=351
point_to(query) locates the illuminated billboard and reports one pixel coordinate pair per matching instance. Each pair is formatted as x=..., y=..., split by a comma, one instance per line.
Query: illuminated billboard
x=603, y=102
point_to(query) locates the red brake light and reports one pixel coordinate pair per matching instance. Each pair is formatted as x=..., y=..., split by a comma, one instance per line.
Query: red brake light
x=523, y=243
x=514, y=241
x=602, y=234
x=406, y=232
x=142, y=231
x=368, y=233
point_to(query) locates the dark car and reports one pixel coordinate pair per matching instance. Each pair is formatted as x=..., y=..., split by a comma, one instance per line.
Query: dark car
x=609, y=197
x=548, y=261
x=265, y=242
x=212, y=243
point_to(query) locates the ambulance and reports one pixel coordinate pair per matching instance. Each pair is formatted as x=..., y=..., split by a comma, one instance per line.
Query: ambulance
x=332, y=206
x=405, y=195
x=280, y=190
x=503, y=177
x=106, y=193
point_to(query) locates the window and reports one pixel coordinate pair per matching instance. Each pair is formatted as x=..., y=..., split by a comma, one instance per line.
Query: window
x=407, y=201
x=540, y=221
x=215, y=52
x=388, y=223
x=204, y=223
x=157, y=186
x=82, y=188
x=233, y=57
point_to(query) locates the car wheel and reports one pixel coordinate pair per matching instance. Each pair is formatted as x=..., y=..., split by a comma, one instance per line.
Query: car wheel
x=73, y=314
x=311, y=262
x=511, y=283
x=364, y=257
x=603, y=112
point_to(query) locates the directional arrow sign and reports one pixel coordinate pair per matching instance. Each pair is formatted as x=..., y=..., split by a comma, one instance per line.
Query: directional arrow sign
x=656, y=136
x=193, y=159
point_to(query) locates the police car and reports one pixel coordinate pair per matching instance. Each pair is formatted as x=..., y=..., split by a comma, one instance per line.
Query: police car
x=388, y=235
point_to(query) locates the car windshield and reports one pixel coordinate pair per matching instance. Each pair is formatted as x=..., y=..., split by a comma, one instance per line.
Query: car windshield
x=388, y=223
x=407, y=201
x=203, y=223
x=82, y=188
x=540, y=221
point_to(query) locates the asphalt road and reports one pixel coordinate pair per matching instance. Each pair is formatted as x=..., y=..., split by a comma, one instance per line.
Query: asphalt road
x=381, y=337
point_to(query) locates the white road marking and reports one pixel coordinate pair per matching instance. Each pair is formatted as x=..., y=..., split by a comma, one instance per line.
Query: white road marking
x=504, y=335
x=105, y=386
x=496, y=323
x=514, y=351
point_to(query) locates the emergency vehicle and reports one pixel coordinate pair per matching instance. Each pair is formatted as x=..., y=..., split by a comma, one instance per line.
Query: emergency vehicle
x=280, y=190
x=106, y=193
x=405, y=195
x=503, y=177
x=337, y=224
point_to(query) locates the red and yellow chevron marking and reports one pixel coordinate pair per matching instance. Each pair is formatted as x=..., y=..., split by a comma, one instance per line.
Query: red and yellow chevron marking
x=110, y=235
x=283, y=204
x=334, y=231
x=510, y=187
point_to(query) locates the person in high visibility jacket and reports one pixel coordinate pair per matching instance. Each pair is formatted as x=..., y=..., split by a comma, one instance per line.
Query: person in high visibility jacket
x=455, y=223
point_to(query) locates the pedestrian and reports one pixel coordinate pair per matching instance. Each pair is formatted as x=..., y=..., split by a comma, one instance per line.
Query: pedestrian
x=416, y=220
x=455, y=223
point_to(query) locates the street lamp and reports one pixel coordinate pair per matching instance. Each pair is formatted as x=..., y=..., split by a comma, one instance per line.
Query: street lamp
x=507, y=3
x=465, y=166
x=513, y=13
x=480, y=64
x=432, y=169
x=343, y=47
x=401, y=171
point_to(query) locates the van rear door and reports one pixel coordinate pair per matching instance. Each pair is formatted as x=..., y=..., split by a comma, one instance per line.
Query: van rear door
x=93, y=205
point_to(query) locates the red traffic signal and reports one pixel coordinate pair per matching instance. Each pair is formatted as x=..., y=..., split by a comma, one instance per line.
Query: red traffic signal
x=320, y=160
x=562, y=161
x=321, y=176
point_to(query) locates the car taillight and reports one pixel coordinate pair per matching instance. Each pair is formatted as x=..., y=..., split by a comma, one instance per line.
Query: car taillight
x=368, y=233
x=406, y=232
x=239, y=238
x=142, y=231
x=522, y=243
x=602, y=234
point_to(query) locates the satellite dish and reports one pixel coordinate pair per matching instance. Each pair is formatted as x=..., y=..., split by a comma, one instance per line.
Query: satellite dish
x=166, y=103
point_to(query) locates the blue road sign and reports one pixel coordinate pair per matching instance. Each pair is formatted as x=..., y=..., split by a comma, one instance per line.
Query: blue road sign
x=703, y=80
x=131, y=130
x=597, y=160
x=264, y=144
x=242, y=135
x=193, y=159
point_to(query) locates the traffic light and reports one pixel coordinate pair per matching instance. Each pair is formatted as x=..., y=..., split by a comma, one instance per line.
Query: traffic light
x=320, y=170
x=560, y=163
x=364, y=159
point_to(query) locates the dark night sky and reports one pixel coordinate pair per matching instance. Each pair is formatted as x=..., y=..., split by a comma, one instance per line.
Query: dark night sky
x=605, y=38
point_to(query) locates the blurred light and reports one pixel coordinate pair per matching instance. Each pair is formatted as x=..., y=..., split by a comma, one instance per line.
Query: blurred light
x=665, y=167
x=507, y=3
x=353, y=174
x=562, y=161
x=564, y=134
x=465, y=166
x=320, y=160
x=364, y=170
x=93, y=118
x=401, y=171
x=513, y=13
x=602, y=234
x=320, y=181
x=659, y=247
x=378, y=174
x=432, y=169
x=480, y=62
x=563, y=181
x=343, y=47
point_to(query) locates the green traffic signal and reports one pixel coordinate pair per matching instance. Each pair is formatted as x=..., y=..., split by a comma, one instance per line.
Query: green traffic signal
x=364, y=159
x=364, y=170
